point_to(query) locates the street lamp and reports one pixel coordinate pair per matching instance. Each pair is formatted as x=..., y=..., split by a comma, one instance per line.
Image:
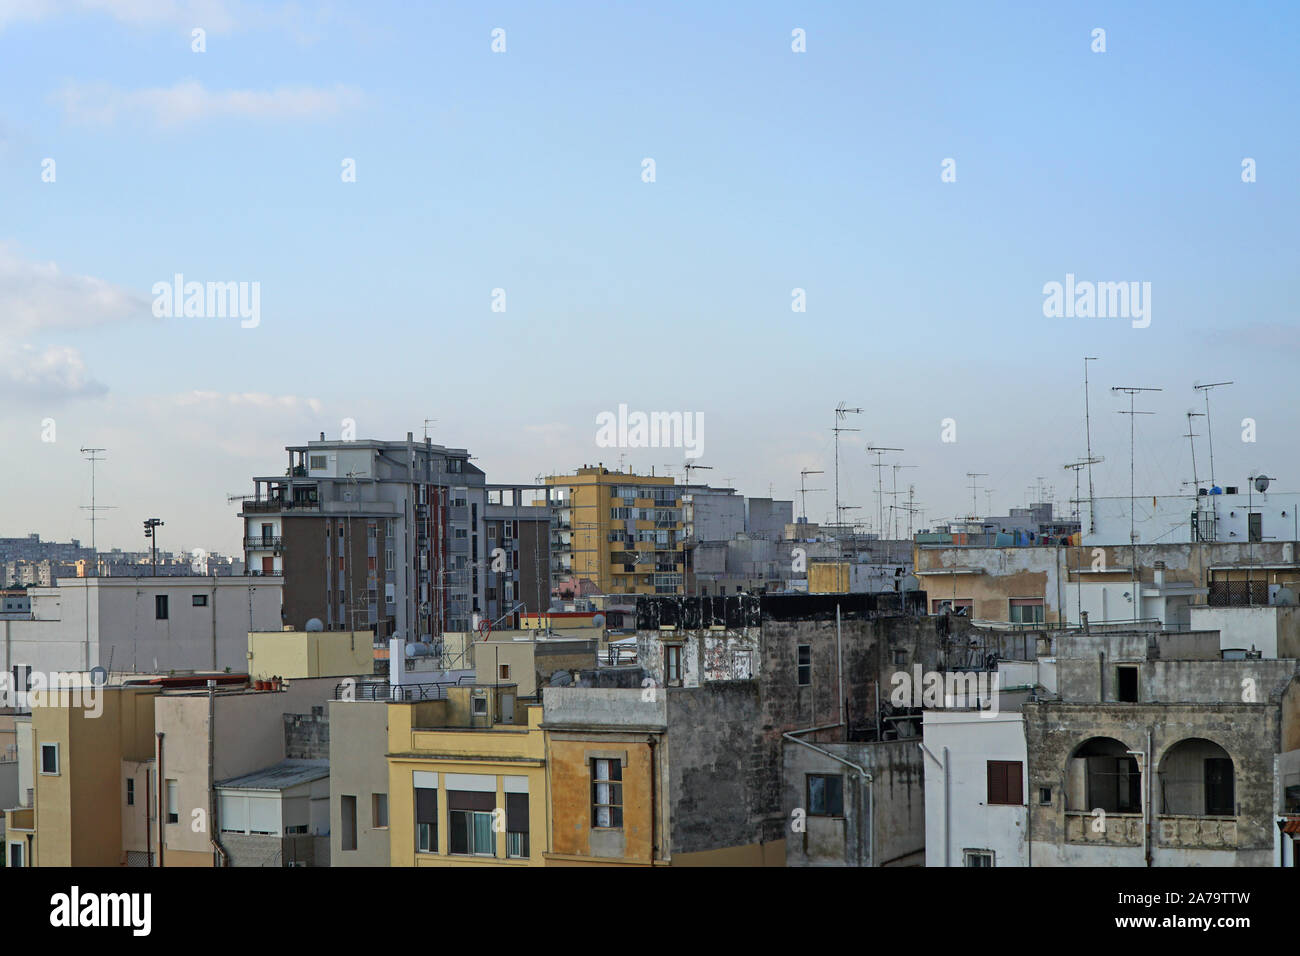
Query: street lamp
x=151, y=526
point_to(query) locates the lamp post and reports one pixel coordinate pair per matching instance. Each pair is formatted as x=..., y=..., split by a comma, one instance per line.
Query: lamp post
x=151, y=526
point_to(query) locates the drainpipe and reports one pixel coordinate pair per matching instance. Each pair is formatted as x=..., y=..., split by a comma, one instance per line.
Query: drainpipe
x=946, y=802
x=1147, y=775
x=866, y=778
x=654, y=822
x=162, y=785
x=220, y=850
x=839, y=654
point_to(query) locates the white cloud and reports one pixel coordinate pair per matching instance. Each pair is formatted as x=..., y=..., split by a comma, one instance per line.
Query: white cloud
x=189, y=101
x=35, y=296
x=215, y=16
x=52, y=374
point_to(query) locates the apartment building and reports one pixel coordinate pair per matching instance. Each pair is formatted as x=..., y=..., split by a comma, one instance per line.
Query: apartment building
x=618, y=533
x=383, y=535
x=141, y=624
x=466, y=781
x=518, y=534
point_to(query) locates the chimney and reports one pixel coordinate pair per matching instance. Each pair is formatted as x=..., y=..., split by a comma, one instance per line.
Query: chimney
x=322, y=436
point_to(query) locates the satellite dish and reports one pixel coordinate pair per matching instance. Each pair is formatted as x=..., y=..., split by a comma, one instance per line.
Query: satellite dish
x=598, y=620
x=1261, y=483
x=315, y=625
x=1284, y=596
x=98, y=676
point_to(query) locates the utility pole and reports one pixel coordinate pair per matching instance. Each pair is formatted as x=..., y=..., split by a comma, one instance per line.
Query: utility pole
x=1077, y=467
x=974, y=487
x=879, y=451
x=1087, y=425
x=688, y=467
x=1209, y=433
x=91, y=455
x=893, y=504
x=1132, y=391
x=804, y=489
x=840, y=412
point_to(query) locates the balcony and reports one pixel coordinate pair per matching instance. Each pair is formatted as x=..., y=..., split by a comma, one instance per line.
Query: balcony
x=264, y=505
x=263, y=543
x=1109, y=829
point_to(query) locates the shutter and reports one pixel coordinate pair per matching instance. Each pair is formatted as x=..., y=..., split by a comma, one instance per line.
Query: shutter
x=426, y=805
x=471, y=800
x=997, y=783
x=1015, y=784
x=517, y=812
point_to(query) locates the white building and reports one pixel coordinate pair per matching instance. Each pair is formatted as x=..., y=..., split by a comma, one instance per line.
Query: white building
x=140, y=624
x=1240, y=515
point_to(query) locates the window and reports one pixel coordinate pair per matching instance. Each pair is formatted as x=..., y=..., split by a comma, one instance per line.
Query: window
x=426, y=820
x=1005, y=783
x=1219, y=799
x=1026, y=611
x=977, y=857
x=316, y=463
x=1126, y=684
x=1255, y=526
x=379, y=811
x=469, y=817
x=23, y=678
x=160, y=607
x=517, y=825
x=130, y=791
x=173, y=802
x=1045, y=796
x=50, y=759
x=805, y=665
x=673, y=665
x=607, y=793
x=480, y=706
x=199, y=600
x=825, y=795
x=15, y=854
x=348, y=805
x=503, y=672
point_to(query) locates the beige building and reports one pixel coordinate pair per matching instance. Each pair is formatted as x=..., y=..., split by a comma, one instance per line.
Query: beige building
x=359, y=783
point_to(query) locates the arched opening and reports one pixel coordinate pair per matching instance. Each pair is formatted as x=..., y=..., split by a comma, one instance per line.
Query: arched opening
x=1102, y=775
x=1196, y=778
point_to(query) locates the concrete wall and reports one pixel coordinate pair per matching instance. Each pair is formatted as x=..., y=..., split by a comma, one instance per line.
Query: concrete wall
x=1272, y=630
x=1063, y=833
x=302, y=654
x=250, y=736
x=357, y=745
x=957, y=814
x=120, y=624
x=890, y=834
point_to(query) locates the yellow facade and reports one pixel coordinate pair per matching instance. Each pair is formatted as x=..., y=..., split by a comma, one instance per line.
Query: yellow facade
x=300, y=655
x=78, y=807
x=828, y=577
x=587, y=522
x=430, y=745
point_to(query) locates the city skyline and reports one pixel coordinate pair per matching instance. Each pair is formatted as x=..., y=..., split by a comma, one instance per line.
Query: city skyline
x=925, y=298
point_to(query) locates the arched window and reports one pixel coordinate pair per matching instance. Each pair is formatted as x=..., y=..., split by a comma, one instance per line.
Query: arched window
x=1102, y=775
x=1196, y=778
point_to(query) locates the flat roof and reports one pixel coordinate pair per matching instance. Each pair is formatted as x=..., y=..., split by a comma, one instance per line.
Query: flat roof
x=280, y=776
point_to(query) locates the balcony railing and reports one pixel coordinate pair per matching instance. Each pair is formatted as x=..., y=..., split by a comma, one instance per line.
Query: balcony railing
x=260, y=505
x=263, y=543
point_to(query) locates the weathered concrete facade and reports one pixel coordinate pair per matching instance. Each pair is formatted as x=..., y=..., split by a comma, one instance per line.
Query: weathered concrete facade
x=1183, y=775
x=883, y=823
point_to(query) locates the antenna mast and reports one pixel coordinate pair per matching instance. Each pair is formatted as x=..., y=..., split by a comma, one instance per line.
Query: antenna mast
x=1132, y=391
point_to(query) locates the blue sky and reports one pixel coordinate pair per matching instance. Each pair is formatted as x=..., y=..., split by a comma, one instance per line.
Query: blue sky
x=522, y=170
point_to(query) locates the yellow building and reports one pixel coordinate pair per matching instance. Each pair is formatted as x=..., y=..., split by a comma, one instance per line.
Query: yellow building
x=299, y=655
x=467, y=780
x=828, y=577
x=85, y=813
x=619, y=533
